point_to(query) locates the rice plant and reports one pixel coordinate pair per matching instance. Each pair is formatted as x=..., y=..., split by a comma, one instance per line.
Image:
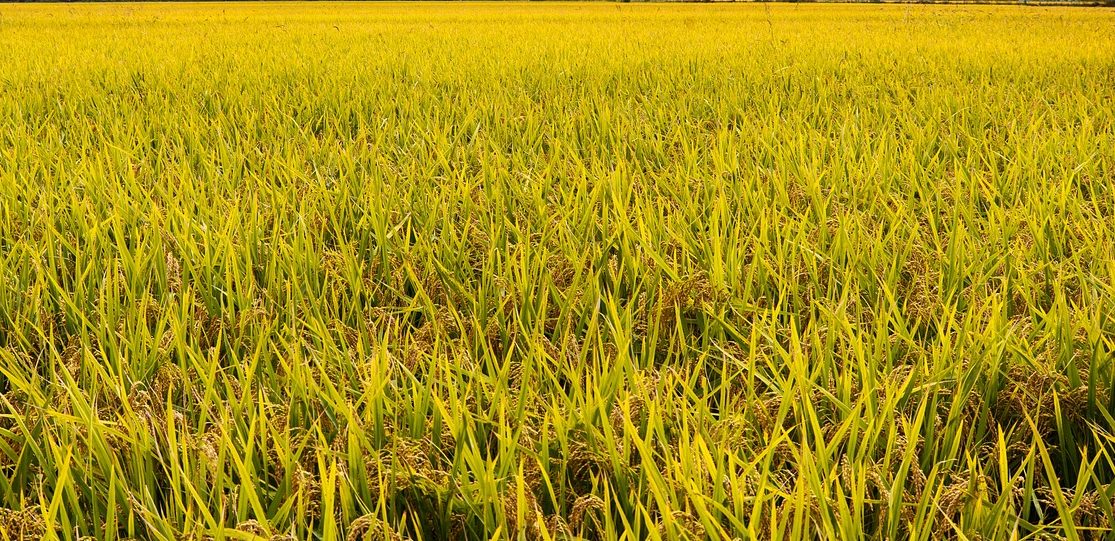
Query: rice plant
x=556, y=271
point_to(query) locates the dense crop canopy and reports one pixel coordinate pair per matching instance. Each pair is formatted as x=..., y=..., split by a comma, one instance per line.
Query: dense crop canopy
x=329, y=271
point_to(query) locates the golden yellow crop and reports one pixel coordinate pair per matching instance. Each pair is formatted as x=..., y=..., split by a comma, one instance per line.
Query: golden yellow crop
x=293, y=271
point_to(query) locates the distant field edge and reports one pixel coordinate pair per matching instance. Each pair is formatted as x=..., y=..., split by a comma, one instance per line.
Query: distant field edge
x=1040, y=3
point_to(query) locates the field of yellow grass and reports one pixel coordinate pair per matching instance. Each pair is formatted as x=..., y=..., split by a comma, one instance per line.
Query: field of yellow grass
x=344, y=271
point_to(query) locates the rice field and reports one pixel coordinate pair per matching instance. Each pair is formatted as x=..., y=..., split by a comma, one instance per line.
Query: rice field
x=354, y=271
